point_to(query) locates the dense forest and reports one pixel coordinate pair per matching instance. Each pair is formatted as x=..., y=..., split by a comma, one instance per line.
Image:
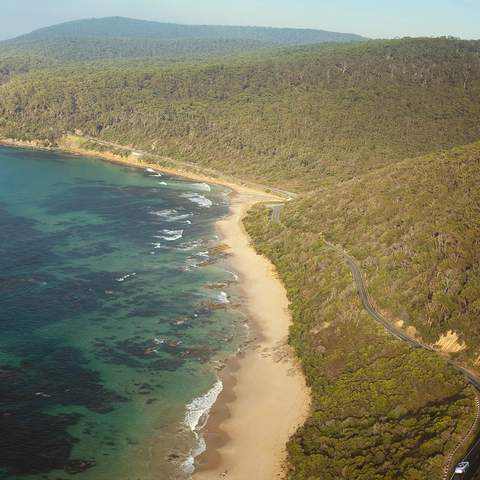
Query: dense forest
x=93, y=49
x=301, y=118
x=18, y=65
x=378, y=140
x=415, y=228
x=415, y=224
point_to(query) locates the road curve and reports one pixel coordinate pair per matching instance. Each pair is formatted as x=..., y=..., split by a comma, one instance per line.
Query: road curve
x=367, y=304
x=473, y=455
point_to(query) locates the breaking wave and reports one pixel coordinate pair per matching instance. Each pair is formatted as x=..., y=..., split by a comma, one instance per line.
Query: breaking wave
x=200, y=200
x=195, y=419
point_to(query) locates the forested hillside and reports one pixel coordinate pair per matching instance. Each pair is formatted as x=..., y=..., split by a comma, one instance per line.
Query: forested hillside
x=378, y=140
x=11, y=66
x=93, y=49
x=415, y=227
x=308, y=116
x=380, y=410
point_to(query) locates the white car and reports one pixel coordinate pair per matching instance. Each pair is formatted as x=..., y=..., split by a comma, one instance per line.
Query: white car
x=462, y=467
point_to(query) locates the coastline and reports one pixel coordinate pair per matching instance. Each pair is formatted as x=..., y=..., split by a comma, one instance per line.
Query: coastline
x=70, y=145
x=263, y=383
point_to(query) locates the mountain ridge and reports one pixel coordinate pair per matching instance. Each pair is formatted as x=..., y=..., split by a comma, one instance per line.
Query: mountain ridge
x=135, y=28
x=120, y=38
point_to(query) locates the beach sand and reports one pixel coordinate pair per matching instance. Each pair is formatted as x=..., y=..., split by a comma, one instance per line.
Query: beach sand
x=265, y=398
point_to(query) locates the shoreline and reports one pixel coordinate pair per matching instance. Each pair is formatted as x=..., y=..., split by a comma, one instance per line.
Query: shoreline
x=264, y=382
x=181, y=170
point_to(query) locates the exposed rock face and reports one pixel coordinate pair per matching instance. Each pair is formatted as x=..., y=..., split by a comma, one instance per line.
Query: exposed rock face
x=449, y=343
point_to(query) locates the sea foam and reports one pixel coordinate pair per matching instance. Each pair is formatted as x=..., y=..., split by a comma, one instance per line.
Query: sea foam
x=200, y=200
x=189, y=246
x=153, y=172
x=196, y=418
x=126, y=277
x=234, y=275
x=171, y=215
x=222, y=297
x=170, y=235
x=204, y=187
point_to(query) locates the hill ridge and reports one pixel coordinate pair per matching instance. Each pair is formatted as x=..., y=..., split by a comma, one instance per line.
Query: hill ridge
x=123, y=27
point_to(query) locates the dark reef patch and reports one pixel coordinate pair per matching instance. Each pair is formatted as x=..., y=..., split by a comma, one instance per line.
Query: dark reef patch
x=32, y=441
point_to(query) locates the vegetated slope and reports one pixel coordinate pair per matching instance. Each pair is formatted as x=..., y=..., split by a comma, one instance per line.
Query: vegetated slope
x=117, y=37
x=118, y=27
x=311, y=115
x=381, y=410
x=93, y=49
x=19, y=65
x=415, y=227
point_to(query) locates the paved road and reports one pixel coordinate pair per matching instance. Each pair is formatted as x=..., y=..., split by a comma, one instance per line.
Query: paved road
x=276, y=211
x=367, y=304
x=473, y=457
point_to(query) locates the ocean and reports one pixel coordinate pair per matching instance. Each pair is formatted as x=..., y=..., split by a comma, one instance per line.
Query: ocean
x=116, y=303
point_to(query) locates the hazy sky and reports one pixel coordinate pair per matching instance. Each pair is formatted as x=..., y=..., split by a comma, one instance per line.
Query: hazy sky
x=372, y=18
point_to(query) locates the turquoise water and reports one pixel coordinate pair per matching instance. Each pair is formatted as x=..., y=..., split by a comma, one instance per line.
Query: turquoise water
x=112, y=312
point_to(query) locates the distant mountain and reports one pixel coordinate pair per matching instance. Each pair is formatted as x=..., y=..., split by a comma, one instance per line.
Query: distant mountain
x=120, y=27
x=118, y=37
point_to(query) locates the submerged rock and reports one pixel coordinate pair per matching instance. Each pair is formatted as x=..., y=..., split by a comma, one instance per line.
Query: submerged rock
x=78, y=466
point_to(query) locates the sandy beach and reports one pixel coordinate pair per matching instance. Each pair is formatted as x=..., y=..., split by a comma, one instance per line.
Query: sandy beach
x=265, y=398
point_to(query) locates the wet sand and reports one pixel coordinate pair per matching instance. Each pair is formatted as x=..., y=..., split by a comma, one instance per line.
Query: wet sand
x=265, y=398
